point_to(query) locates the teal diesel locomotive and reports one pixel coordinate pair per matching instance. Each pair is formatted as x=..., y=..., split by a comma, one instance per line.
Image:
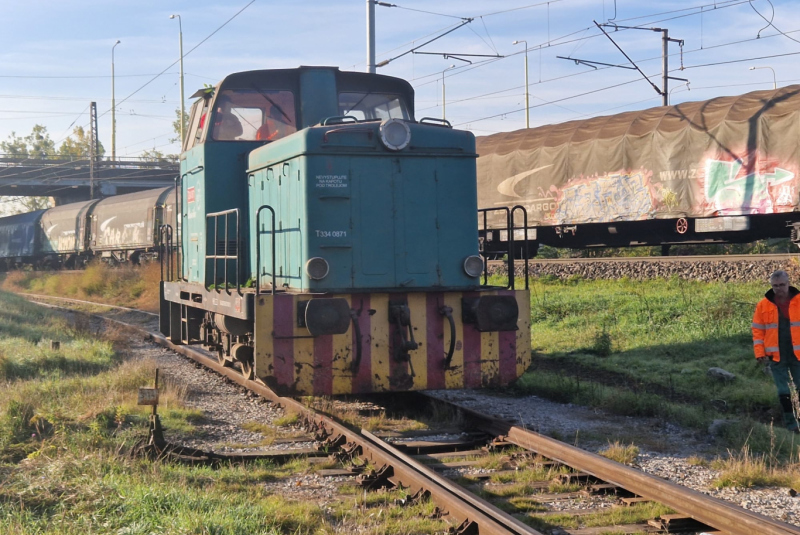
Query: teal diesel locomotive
x=327, y=241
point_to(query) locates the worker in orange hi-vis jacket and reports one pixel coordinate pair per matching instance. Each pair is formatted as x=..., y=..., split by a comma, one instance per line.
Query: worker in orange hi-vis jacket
x=776, y=340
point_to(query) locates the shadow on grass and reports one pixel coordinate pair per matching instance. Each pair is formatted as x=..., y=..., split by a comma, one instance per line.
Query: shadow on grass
x=45, y=366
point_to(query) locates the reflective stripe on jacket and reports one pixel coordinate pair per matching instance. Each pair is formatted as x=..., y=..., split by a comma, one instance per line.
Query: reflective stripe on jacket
x=765, y=326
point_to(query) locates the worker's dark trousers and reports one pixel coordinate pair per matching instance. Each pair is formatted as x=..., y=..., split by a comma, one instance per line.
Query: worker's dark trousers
x=780, y=374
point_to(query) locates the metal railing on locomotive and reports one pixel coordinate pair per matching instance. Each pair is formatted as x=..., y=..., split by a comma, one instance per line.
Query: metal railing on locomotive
x=178, y=208
x=165, y=252
x=510, y=228
x=227, y=255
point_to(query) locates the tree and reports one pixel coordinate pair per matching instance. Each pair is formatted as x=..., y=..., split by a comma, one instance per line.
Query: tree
x=158, y=156
x=78, y=144
x=176, y=125
x=30, y=204
x=15, y=147
x=39, y=143
x=35, y=145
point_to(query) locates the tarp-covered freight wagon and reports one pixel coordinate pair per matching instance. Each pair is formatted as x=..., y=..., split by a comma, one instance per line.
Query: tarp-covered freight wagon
x=129, y=224
x=733, y=159
x=18, y=235
x=63, y=228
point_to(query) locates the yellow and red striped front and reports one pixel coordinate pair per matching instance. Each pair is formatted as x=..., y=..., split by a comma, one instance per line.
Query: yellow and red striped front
x=291, y=361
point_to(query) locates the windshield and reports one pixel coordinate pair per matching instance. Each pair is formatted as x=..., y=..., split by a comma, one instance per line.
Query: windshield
x=253, y=115
x=367, y=106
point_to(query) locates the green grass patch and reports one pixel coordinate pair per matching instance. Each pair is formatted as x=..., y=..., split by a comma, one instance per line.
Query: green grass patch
x=642, y=348
x=608, y=517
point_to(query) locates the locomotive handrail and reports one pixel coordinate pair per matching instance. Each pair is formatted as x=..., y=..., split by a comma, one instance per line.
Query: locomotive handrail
x=485, y=211
x=165, y=250
x=193, y=170
x=258, y=248
x=225, y=257
x=512, y=238
x=179, y=226
x=339, y=119
x=435, y=121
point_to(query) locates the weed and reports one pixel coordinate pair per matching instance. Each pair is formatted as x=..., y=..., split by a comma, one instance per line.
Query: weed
x=620, y=453
x=288, y=420
x=744, y=469
x=603, y=345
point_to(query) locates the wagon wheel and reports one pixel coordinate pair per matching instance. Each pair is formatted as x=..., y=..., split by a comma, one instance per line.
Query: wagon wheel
x=248, y=371
x=682, y=225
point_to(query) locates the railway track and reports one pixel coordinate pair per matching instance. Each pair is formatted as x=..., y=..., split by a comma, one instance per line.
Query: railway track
x=657, y=259
x=416, y=466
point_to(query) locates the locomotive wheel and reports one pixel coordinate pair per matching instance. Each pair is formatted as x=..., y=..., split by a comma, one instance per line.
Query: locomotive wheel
x=223, y=359
x=248, y=371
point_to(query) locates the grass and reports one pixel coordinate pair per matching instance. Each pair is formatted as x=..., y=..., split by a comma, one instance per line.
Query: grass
x=68, y=418
x=131, y=286
x=620, y=453
x=608, y=517
x=745, y=469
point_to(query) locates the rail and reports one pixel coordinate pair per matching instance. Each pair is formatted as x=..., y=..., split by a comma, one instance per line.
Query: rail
x=258, y=248
x=226, y=255
x=711, y=511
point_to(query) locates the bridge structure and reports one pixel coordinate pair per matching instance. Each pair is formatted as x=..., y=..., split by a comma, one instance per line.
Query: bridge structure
x=77, y=179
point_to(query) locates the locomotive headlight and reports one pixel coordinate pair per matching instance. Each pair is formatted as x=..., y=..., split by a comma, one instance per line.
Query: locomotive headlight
x=473, y=265
x=317, y=268
x=395, y=134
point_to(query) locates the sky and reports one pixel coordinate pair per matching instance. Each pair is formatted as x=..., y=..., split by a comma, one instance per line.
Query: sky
x=56, y=56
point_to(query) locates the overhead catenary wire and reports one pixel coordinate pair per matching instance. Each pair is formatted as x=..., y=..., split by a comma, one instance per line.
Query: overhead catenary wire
x=184, y=55
x=641, y=61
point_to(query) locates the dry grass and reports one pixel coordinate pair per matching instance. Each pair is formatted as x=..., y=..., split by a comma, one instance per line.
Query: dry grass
x=744, y=469
x=132, y=286
x=620, y=453
x=697, y=461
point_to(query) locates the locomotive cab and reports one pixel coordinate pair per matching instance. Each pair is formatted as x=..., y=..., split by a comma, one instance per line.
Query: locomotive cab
x=328, y=242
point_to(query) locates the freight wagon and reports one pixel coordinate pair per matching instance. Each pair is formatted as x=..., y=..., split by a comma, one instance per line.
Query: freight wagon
x=724, y=170
x=123, y=228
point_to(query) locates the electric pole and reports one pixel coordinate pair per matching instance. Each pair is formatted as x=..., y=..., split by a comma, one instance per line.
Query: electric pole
x=93, y=147
x=371, y=36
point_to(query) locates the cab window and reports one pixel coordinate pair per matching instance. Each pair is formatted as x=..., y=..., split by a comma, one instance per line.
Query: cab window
x=253, y=115
x=368, y=106
x=196, y=123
